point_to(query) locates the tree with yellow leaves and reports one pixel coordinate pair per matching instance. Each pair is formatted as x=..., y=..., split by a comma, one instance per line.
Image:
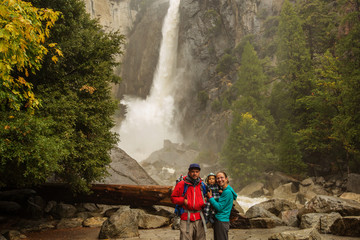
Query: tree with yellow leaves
x=23, y=30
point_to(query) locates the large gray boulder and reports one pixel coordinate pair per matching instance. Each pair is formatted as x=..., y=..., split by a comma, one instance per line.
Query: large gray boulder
x=149, y=221
x=328, y=204
x=122, y=224
x=306, y=234
x=125, y=170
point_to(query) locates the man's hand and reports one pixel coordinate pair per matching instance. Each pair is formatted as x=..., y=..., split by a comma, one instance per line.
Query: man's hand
x=185, y=202
x=209, y=194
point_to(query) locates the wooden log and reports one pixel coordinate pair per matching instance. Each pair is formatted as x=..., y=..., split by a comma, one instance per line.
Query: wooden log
x=110, y=194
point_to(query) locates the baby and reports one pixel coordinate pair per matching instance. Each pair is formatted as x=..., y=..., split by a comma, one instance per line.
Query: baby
x=209, y=211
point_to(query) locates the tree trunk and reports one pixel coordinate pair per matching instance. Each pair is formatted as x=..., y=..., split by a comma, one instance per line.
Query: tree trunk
x=133, y=195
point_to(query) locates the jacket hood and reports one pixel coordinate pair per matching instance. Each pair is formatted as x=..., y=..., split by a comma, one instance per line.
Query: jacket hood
x=232, y=191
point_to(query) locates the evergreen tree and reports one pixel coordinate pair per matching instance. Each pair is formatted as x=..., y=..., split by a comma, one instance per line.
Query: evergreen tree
x=348, y=50
x=248, y=149
x=318, y=139
x=294, y=66
x=245, y=152
x=319, y=21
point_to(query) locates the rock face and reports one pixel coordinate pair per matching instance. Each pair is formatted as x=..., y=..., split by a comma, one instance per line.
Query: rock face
x=306, y=234
x=125, y=170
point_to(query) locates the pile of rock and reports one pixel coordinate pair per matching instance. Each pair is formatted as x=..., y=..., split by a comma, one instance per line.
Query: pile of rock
x=314, y=205
x=22, y=211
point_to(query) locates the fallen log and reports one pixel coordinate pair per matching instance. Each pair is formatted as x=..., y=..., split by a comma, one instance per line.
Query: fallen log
x=110, y=194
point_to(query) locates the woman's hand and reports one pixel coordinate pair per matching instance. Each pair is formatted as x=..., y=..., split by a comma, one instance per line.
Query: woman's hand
x=209, y=193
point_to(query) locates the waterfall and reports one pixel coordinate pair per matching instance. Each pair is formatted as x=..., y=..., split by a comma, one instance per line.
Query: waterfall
x=149, y=121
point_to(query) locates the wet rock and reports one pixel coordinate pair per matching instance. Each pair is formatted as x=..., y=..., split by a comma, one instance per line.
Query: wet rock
x=253, y=190
x=94, y=222
x=347, y=226
x=122, y=224
x=328, y=204
x=306, y=234
x=69, y=223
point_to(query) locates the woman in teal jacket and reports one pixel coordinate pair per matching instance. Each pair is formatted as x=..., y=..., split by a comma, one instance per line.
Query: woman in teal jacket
x=223, y=207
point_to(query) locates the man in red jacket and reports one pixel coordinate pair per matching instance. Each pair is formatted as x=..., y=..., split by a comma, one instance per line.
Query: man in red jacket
x=192, y=224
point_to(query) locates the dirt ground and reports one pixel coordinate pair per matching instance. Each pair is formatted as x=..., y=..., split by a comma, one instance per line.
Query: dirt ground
x=163, y=234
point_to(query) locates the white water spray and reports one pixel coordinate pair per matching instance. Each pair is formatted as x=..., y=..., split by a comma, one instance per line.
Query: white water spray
x=148, y=122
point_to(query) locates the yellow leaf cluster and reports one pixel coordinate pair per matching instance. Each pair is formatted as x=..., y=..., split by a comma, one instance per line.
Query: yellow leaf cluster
x=22, y=37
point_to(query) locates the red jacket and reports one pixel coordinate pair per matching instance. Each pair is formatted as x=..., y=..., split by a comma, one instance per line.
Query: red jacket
x=194, y=197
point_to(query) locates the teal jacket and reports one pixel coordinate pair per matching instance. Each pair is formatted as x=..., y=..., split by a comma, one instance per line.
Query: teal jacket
x=224, y=204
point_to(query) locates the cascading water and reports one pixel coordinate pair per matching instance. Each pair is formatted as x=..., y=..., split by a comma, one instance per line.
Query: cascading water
x=148, y=122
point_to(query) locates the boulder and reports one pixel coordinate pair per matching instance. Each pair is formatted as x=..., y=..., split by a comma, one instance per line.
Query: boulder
x=13, y=235
x=321, y=221
x=353, y=183
x=289, y=217
x=275, y=179
x=69, y=223
x=276, y=206
x=125, y=170
x=308, y=189
x=148, y=221
x=305, y=234
x=94, y=222
x=63, y=210
x=122, y=224
x=286, y=191
x=263, y=223
x=351, y=196
x=346, y=226
x=257, y=211
x=328, y=204
x=255, y=189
